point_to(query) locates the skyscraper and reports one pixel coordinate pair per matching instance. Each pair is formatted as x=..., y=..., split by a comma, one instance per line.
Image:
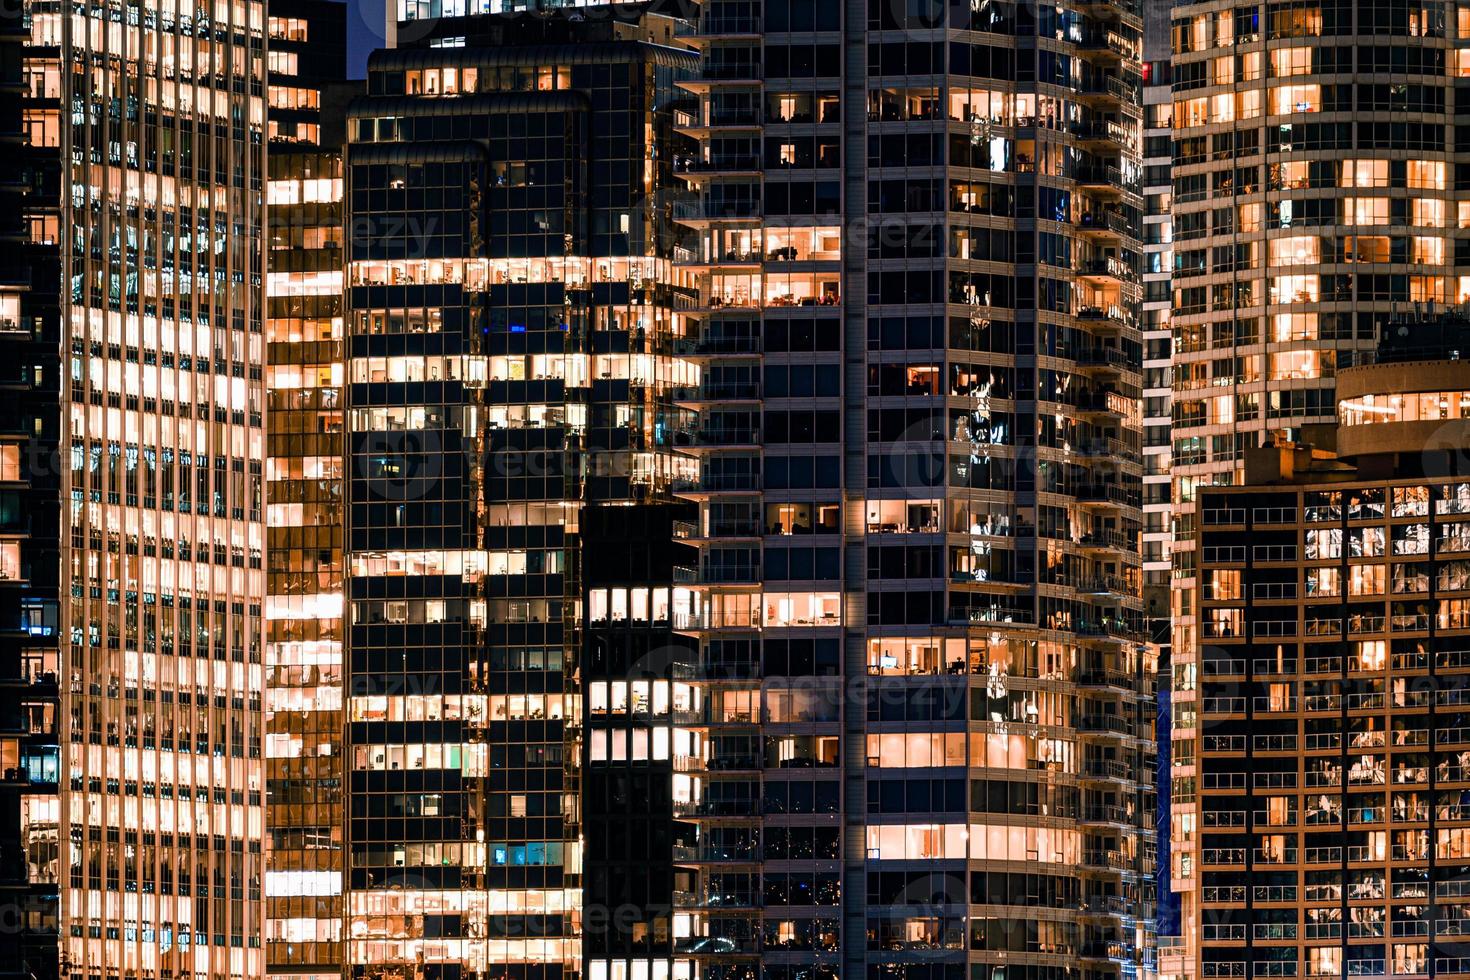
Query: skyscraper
x=304, y=767
x=1332, y=755
x=510, y=420
x=153, y=123
x=1158, y=352
x=924, y=702
x=1315, y=193
x=876, y=698
x=30, y=513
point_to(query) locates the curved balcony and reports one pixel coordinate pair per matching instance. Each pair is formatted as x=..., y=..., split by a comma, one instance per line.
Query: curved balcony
x=1114, y=451
x=1121, y=90
x=1112, y=44
x=1108, y=771
x=1110, y=271
x=1114, y=815
x=1101, y=361
x=1103, y=404
x=1110, y=137
x=1107, y=318
x=1105, y=726
x=1108, y=495
x=1106, y=224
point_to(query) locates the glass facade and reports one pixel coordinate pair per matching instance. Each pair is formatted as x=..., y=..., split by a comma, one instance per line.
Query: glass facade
x=510, y=419
x=1331, y=756
x=702, y=523
x=1315, y=192
x=305, y=518
x=30, y=509
x=1158, y=347
x=158, y=118
x=924, y=698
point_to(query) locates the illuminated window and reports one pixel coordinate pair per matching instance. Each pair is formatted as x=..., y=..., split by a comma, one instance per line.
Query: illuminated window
x=1286, y=62
x=1296, y=98
x=1427, y=212
x=1298, y=250
x=1365, y=210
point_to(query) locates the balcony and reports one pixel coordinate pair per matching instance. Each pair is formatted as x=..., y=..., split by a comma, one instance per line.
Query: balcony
x=707, y=718
x=714, y=573
x=722, y=163
x=694, y=900
x=749, y=809
x=716, y=945
x=1109, y=493
x=1105, y=724
x=1111, y=449
x=1104, y=402
x=1128, y=10
x=995, y=612
x=707, y=853
x=1125, y=88
x=717, y=483
x=1107, y=357
x=719, y=391
x=1112, y=135
x=1094, y=904
x=1110, y=628
x=1108, y=268
x=1109, y=769
x=1109, y=539
x=735, y=437
x=1106, y=677
x=1106, y=221
x=1113, y=43
x=708, y=345
x=707, y=209
x=1108, y=814
x=691, y=531
x=1108, y=949
x=732, y=71
x=1107, y=858
x=729, y=25
x=1111, y=316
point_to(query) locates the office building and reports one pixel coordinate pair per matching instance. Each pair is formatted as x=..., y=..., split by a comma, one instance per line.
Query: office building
x=30, y=516
x=761, y=595
x=1158, y=352
x=1331, y=750
x=1314, y=194
x=923, y=705
x=510, y=532
x=1158, y=338
x=304, y=698
x=140, y=413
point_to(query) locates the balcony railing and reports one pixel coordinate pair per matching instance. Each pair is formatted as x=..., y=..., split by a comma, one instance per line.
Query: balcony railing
x=706, y=209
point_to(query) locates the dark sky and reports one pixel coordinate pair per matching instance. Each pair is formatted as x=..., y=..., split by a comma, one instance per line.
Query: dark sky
x=365, y=19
